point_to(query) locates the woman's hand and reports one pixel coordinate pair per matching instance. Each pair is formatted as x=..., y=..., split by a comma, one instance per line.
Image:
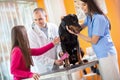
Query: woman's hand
x=36, y=76
x=70, y=31
x=56, y=40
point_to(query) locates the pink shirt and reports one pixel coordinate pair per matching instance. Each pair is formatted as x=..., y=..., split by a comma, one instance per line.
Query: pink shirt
x=18, y=67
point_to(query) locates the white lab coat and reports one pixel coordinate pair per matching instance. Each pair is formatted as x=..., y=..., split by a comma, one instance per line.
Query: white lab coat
x=37, y=38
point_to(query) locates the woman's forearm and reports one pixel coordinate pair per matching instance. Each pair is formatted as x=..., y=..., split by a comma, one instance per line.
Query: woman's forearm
x=88, y=39
x=92, y=40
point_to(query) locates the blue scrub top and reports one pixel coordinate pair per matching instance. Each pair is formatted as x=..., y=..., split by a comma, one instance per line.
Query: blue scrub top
x=99, y=26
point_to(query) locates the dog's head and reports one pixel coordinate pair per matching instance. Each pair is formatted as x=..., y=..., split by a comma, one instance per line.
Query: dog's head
x=72, y=22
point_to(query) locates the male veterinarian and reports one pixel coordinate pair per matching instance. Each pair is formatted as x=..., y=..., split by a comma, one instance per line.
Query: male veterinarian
x=40, y=34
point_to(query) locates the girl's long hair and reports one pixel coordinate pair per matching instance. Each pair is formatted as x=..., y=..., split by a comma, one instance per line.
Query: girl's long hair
x=19, y=38
x=93, y=8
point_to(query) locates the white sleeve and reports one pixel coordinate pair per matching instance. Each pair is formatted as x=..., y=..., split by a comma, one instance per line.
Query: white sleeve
x=34, y=43
x=58, y=47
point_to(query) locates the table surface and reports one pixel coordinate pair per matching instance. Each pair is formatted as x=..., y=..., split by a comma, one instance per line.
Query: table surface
x=66, y=71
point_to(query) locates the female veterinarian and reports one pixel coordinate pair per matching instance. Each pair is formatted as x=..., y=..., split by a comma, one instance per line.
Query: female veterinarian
x=99, y=36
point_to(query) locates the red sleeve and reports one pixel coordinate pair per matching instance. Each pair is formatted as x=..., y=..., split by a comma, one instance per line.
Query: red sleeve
x=17, y=64
x=42, y=50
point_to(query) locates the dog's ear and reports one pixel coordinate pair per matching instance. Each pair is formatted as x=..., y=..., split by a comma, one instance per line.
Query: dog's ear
x=65, y=18
x=70, y=19
x=63, y=25
x=75, y=19
x=75, y=15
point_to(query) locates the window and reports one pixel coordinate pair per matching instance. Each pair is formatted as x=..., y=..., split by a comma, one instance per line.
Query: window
x=12, y=13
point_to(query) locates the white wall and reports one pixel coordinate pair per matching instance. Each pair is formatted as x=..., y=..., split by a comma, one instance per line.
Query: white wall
x=55, y=10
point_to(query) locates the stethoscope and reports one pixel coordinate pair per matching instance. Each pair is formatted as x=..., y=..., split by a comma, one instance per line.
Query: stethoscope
x=32, y=25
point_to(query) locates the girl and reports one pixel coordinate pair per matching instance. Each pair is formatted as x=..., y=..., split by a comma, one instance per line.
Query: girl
x=21, y=54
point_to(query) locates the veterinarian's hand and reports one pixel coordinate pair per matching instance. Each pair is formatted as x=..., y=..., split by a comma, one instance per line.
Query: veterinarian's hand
x=56, y=40
x=61, y=54
x=58, y=62
x=36, y=76
x=70, y=31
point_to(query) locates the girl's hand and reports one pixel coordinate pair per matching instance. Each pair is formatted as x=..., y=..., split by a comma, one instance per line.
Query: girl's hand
x=65, y=56
x=36, y=76
x=56, y=40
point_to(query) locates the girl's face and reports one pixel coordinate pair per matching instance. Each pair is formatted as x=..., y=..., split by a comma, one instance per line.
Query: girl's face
x=84, y=7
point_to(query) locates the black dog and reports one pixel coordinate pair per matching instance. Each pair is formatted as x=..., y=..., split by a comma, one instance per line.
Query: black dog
x=69, y=42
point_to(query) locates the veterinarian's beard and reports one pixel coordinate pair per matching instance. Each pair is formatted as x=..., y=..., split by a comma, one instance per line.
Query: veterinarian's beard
x=43, y=25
